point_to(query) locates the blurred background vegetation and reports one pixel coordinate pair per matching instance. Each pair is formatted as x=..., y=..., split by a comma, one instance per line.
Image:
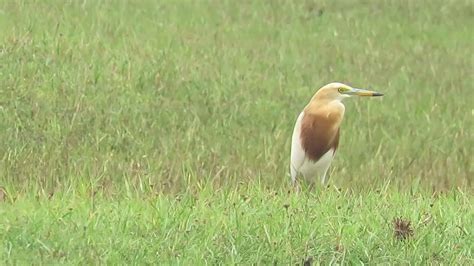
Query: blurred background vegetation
x=167, y=95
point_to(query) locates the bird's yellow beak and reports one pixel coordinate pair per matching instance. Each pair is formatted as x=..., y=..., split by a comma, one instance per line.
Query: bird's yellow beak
x=361, y=92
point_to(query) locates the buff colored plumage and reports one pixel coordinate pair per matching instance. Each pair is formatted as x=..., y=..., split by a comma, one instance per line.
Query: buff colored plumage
x=316, y=134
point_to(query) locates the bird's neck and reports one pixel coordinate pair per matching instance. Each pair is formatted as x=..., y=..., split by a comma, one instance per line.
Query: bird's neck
x=329, y=109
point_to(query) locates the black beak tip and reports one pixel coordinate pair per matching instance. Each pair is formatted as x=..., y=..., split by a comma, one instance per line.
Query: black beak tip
x=377, y=94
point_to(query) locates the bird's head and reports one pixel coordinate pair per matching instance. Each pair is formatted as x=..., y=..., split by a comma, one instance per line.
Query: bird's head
x=339, y=91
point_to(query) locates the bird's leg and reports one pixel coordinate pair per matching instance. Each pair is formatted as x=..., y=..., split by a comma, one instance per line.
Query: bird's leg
x=296, y=186
x=323, y=183
x=324, y=179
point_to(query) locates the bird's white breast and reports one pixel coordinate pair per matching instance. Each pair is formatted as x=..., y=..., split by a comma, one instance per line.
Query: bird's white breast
x=312, y=170
x=300, y=163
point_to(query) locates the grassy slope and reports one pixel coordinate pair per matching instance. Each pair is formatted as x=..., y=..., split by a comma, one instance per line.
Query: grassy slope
x=133, y=100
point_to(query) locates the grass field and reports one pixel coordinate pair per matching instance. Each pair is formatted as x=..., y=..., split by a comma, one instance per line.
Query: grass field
x=159, y=131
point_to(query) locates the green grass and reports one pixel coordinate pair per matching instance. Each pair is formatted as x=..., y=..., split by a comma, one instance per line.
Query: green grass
x=241, y=226
x=140, y=102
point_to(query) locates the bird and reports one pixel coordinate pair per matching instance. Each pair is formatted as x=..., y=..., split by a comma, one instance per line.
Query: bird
x=315, y=136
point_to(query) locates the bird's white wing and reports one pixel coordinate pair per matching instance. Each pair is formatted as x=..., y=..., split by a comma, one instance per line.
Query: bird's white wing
x=297, y=152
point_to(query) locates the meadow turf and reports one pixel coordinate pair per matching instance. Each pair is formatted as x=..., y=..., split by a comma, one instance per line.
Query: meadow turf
x=242, y=226
x=159, y=131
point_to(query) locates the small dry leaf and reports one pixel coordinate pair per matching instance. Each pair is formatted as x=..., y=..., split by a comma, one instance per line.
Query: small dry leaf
x=402, y=228
x=426, y=219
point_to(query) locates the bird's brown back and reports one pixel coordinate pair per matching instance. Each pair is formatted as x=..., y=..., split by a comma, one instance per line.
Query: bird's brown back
x=319, y=134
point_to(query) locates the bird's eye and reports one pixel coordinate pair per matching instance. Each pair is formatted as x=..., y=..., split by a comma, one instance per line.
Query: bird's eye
x=340, y=90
